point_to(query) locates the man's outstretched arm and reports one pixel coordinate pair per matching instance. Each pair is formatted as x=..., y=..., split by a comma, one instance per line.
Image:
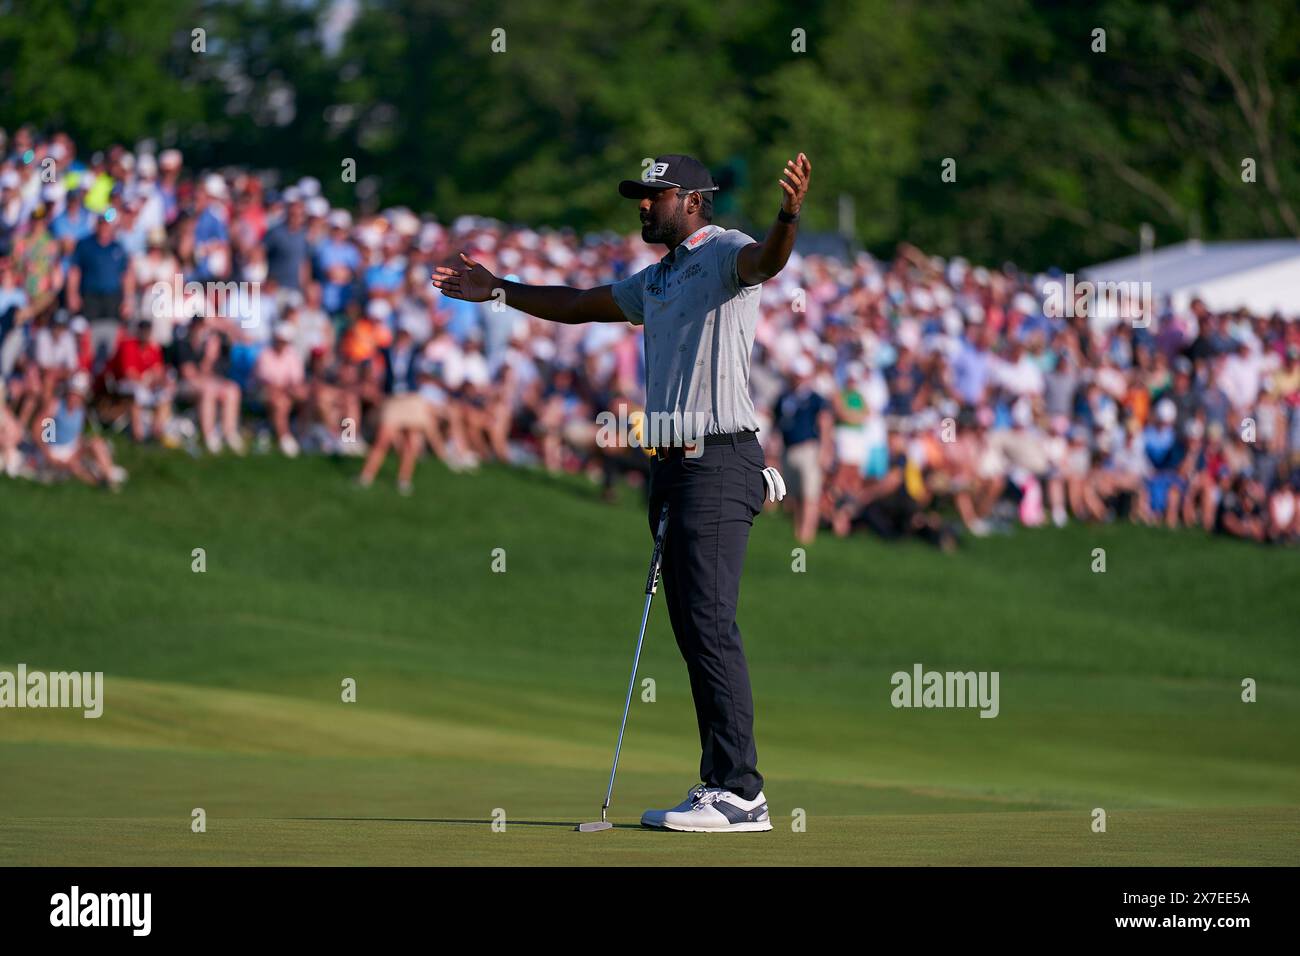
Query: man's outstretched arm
x=558, y=303
x=762, y=260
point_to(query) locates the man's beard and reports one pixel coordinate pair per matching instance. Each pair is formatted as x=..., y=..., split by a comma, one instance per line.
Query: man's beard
x=665, y=231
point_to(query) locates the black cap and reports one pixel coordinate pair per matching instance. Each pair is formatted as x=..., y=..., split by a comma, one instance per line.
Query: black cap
x=684, y=172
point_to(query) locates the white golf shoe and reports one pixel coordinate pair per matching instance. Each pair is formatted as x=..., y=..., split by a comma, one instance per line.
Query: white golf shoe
x=712, y=810
x=655, y=818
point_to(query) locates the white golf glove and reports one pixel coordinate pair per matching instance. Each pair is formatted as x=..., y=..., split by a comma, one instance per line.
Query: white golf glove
x=775, y=484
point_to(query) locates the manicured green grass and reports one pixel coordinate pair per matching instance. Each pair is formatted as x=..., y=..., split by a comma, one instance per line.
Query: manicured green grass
x=480, y=692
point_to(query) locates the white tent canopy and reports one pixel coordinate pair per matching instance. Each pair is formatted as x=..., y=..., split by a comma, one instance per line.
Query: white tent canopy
x=1262, y=276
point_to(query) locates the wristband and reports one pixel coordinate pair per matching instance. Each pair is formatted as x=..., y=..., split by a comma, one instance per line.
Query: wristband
x=787, y=217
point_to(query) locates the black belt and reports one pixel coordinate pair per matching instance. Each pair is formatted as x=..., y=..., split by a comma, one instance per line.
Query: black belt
x=733, y=439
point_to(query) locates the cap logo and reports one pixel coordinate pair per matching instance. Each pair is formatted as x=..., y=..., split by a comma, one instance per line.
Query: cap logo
x=654, y=172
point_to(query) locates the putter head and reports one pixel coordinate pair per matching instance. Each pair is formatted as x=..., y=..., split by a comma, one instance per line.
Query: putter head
x=594, y=827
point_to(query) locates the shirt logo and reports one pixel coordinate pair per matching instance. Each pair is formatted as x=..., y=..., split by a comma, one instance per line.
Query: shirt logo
x=699, y=237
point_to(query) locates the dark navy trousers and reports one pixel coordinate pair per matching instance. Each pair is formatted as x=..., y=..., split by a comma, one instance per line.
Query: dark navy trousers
x=712, y=501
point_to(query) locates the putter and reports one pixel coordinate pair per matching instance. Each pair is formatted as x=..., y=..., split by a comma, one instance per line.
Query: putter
x=651, y=585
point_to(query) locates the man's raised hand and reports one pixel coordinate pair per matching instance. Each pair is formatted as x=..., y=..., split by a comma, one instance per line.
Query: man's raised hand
x=796, y=176
x=473, y=283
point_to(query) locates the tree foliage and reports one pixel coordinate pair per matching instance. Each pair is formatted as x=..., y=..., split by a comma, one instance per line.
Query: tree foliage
x=1061, y=151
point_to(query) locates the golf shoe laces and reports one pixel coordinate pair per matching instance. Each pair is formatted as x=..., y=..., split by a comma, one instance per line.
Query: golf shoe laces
x=709, y=796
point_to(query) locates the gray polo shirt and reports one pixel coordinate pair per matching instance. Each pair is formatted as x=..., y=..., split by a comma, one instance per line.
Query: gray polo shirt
x=699, y=332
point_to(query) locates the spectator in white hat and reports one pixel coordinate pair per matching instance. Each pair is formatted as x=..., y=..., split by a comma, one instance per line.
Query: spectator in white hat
x=337, y=262
x=211, y=231
x=169, y=172
x=155, y=276
x=281, y=378
x=57, y=432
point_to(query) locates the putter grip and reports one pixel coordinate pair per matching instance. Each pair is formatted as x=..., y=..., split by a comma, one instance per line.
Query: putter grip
x=651, y=581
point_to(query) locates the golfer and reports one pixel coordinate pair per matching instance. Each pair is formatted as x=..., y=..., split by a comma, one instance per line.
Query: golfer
x=699, y=309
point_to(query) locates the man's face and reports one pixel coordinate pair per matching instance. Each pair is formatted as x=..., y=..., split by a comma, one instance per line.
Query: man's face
x=663, y=216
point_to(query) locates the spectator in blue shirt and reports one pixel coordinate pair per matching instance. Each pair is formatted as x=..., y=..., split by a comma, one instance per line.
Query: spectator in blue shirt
x=337, y=261
x=288, y=252
x=101, y=286
x=806, y=422
x=386, y=275
x=1160, y=441
x=972, y=367
x=211, y=234
x=905, y=379
x=75, y=223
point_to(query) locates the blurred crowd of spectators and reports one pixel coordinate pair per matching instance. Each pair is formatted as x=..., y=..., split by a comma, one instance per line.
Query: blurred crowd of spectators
x=915, y=397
